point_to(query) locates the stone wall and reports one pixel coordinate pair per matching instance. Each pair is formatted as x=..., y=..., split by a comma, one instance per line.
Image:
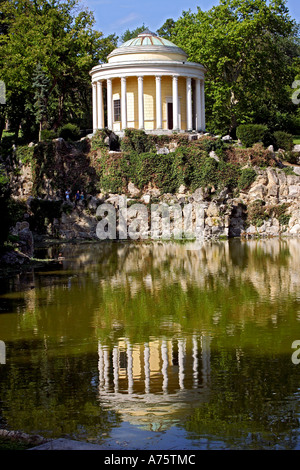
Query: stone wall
x=213, y=216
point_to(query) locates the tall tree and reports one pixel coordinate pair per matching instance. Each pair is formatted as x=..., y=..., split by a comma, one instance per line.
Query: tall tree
x=59, y=35
x=248, y=48
x=130, y=34
x=166, y=30
x=41, y=88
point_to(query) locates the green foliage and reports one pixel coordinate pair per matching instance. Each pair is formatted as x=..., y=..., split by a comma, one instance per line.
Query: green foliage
x=41, y=90
x=69, y=132
x=283, y=140
x=211, y=144
x=16, y=210
x=189, y=165
x=288, y=170
x=248, y=48
x=105, y=139
x=60, y=36
x=166, y=30
x=291, y=157
x=258, y=212
x=250, y=134
x=47, y=135
x=97, y=141
x=43, y=213
x=247, y=177
x=130, y=34
x=255, y=156
x=136, y=140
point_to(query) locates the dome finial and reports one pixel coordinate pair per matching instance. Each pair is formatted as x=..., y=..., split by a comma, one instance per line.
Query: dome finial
x=147, y=32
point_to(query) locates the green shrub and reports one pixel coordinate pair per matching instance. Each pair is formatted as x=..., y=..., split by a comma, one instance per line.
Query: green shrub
x=25, y=154
x=208, y=144
x=283, y=140
x=288, y=170
x=69, y=132
x=250, y=134
x=256, y=213
x=248, y=175
x=137, y=140
x=291, y=157
x=47, y=135
x=43, y=213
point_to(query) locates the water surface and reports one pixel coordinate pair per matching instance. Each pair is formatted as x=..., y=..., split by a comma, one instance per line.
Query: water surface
x=156, y=345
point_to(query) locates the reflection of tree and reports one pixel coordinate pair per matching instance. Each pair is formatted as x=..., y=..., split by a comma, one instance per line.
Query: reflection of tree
x=250, y=404
x=244, y=295
x=53, y=396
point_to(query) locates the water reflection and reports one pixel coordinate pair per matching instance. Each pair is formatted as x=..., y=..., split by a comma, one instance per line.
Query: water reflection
x=159, y=335
x=133, y=378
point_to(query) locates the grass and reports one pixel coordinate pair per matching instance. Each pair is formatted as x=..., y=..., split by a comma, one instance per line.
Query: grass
x=296, y=139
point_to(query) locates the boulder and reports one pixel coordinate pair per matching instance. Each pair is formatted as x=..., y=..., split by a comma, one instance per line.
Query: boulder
x=133, y=190
x=227, y=138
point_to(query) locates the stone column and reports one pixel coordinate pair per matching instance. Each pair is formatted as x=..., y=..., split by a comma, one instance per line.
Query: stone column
x=198, y=105
x=202, y=106
x=141, y=102
x=94, y=96
x=123, y=103
x=109, y=104
x=175, y=104
x=189, y=115
x=158, y=103
x=100, y=105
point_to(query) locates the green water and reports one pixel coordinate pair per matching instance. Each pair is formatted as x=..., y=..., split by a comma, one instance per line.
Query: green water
x=156, y=345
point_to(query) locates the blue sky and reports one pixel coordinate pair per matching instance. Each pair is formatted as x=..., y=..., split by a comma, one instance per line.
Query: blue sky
x=115, y=16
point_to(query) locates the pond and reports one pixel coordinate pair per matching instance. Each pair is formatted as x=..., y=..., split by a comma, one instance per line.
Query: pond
x=156, y=345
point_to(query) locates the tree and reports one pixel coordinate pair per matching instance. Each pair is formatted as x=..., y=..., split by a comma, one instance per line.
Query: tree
x=41, y=87
x=248, y=48
x=130, y=34
x=166, y=30
x=60, y=36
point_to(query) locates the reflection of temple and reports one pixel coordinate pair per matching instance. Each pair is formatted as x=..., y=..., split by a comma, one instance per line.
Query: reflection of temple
x=133, y=378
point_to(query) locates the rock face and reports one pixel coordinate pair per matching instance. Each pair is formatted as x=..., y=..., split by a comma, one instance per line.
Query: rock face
x=25, y=238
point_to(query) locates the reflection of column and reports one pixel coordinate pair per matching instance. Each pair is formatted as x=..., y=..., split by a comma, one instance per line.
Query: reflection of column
x=205, y=342
x=129, y=367
x=123, y=103
x=147, y=367
x=189, y=116
x=181, y=362
x=106, y=369
x=198, y=105
x=175, y=103
x=100, y=364
x=195, y=362
x=164, y=355
x=100, y=105
x=158, y=103
x=94, y=96
x=141, y=102
x=116, y=368
x=109, y=104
